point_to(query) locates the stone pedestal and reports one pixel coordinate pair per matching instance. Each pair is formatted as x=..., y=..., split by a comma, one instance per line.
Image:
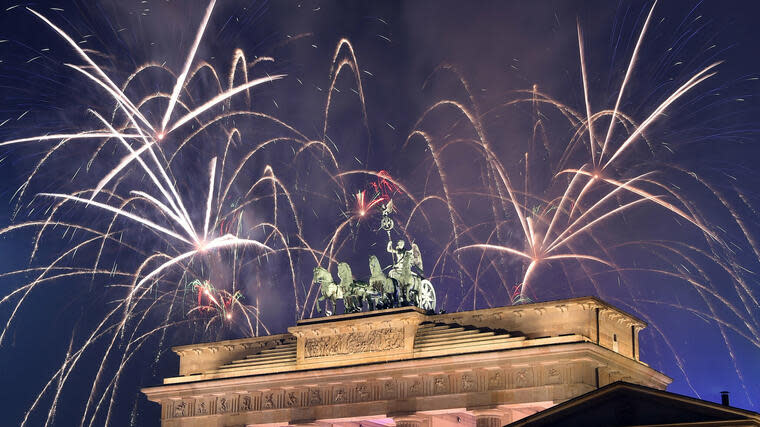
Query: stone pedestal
x=357, y=338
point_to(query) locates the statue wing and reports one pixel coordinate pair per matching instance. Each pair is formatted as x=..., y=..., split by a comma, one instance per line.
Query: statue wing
x=416, y=257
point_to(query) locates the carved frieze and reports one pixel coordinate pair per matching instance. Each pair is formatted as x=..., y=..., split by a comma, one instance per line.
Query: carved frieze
x=553, y=375
x=223, y=405
x=467, y=382
x=315, y=397
x=362, y=392
x=245, y=403
x=339, y=395
x=291, y=399
x=389, y=389
x=268, y=400
x=415, y=387
x=495, y=380
x=201, y=408
x=180, y=409
x=441, y=384
x=523, y=378
x=354, y=342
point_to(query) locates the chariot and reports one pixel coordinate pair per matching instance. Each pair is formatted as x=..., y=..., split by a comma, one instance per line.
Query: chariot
x=404, y=285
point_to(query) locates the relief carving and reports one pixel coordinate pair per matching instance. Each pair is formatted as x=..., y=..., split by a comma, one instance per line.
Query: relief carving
x=389, y=389
x=292, y=399
x=315, y=397
x=524, y=378
x=495, y=380
x=268, y=401
x=440, y=384
x=468, y=382
x=245, y=403
x=180, y=409
x=553, y=376
x=416, y=387
x=362, y=392
x=354, y=342
x=201, y=409
x=224, y=405
x=339, y=396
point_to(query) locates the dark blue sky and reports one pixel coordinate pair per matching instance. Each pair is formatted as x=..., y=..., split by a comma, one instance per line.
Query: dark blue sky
x=499, y=47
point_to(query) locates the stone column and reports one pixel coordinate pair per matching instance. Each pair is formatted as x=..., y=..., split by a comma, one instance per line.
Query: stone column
x=488, y=418
x=408, y=421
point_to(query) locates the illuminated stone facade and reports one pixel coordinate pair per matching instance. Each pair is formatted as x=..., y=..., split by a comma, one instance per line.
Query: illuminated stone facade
x=407, y=368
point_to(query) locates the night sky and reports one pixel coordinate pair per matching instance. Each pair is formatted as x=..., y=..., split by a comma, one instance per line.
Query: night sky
x=702, y=333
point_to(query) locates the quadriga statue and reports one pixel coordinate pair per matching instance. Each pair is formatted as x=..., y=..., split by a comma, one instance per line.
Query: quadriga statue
x=404, y=285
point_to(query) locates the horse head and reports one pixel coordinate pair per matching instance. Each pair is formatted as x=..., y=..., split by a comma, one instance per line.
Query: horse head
x=321, y=275
x=344, y=273
x=374, y=267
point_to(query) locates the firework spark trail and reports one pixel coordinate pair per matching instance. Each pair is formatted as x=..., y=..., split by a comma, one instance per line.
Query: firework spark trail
x=120, y=97
x=220, y=242
x=592, y=146
x=690, y=84
x=118, y=211
x=714, y=314
x=40, y=278
x=623, y=85
x=441, y=173
x=646, y=195
x=353, y=64
x=83, y=135
x=717, y=246
x=176, y=201
x=211, y=179
x=188, y=62
x=221, y=97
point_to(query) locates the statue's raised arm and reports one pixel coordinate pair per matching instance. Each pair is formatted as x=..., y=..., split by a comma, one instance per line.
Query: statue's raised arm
x=388, y=208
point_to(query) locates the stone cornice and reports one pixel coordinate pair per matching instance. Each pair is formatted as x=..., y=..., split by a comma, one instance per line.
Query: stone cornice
x=229, y=345
x=518, y=311
x=580, y=351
